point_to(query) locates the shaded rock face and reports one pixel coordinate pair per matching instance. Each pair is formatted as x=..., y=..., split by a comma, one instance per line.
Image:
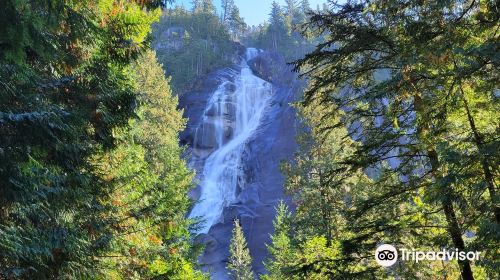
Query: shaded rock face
x=172, y=38
x=260, y=188
x=272, y=67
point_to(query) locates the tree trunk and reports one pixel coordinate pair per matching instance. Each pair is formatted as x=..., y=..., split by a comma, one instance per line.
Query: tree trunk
x=453, y=226
x=488, y=176
x=449, y=211
x=324, y=209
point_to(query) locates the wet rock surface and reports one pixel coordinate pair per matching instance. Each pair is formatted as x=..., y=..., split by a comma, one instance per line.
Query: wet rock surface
x=261, y=188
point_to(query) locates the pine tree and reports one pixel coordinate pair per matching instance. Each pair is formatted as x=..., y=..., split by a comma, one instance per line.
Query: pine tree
x=197, y=6
x=305, y=6
x=236, y=22
x=317, y=178
x=227, y=6
x=291, y=7
x=240, y=261
x=203, y=6
x=204, y=46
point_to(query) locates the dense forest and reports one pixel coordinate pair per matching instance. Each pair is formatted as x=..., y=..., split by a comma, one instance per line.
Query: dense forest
x=399, y=137
x=402, y=143
x=190, y=43
x=93, y=185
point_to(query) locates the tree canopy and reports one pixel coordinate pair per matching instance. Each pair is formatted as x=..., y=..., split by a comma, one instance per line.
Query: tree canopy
x=82, y=140
x=402, y=148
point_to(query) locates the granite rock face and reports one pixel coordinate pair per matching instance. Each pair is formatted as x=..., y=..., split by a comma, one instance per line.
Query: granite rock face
x=261, y=187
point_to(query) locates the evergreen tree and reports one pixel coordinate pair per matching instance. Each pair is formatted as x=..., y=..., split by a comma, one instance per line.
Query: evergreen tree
x=280, y=249
x=295, y=259
x=68, y=97
x=150, y=199
x=316, y=178
x=227, y=6
x=305, y=6
x=240, y=261
x=282, y=32
x=279, y=29
x=197, y=6
x=204, y=44
x=394, y=79
x=292, y=11
x=203, y=6
x=236, y=23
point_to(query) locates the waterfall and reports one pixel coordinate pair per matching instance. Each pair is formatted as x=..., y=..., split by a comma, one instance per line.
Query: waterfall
x=233, y=113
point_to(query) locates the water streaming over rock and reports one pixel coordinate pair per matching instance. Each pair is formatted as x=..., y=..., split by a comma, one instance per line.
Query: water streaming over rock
x=231, y=116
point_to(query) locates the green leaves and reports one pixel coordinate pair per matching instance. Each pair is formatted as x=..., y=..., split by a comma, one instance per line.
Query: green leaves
x=190, y=44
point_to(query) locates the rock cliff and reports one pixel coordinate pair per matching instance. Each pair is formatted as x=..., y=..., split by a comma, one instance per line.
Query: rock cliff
x=261, y=186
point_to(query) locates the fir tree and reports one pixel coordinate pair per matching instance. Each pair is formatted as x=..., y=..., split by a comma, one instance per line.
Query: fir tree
x=150, y=200
x=240, y=261
x=280, y=249
x=279, y=28
x=406, y=120
x=237, y=24
x=67, y=103
x=227, y=6
x=292, y=10
x=204, y=45
x=305, y=6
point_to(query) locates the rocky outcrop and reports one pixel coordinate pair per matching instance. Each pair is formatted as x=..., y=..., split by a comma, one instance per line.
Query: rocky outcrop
x=172, y=38
x=262, y=186
x=272, y=67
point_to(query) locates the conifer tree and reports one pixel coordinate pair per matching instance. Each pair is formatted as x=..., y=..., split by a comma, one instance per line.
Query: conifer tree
x=280, y=250
x=282, y=32
x=203, y=6
x=150, y=200
x=305, y=5
x=279, y=29
x=240, y=261
x=237, y=24
x=204, y=44
x=226, y=6
x=292, y=10
x=67, y=99
x=394, y=79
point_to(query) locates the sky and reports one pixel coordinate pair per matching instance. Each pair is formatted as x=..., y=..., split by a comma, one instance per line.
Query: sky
x=253, y=11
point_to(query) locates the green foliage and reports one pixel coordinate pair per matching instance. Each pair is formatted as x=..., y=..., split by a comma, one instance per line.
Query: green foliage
x=190, y=44
x=282, y=31
x=278, y=32
x=302, y=259
x=68, y=95
x=236, y=23
x=150, y=198
x=231, y=18
x=240, y=261
x=203, y=7
x=280, y=249
x=415, y=86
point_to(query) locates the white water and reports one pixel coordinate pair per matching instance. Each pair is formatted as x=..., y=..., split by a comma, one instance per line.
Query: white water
x=246, y=102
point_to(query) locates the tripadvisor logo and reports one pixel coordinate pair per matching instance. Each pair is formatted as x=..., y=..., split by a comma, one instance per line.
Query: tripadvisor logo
x=387, y=255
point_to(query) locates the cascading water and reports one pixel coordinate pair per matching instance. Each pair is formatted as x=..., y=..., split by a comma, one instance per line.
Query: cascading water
x=233, y=113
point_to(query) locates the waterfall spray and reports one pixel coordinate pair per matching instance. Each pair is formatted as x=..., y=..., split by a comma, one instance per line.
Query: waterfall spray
x=234, y=112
